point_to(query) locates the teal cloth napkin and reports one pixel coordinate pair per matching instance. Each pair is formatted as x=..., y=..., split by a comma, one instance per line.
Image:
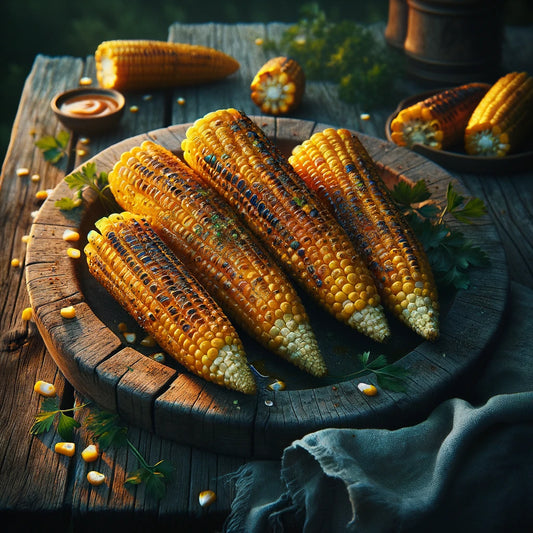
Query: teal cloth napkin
x=467, y=467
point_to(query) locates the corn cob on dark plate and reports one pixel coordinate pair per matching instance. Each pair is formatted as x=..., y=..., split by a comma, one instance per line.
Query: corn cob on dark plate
x=456, y=158
x=94, y=356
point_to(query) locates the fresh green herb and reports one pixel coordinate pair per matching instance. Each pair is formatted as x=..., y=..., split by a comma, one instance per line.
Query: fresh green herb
x=109, y=431
x=450, y=253
x=49, y=413
x=54, y=148
x=345, y=53
x=86, y=178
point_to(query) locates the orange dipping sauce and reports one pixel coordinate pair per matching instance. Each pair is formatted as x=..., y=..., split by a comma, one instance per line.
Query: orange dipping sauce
x=89, y=105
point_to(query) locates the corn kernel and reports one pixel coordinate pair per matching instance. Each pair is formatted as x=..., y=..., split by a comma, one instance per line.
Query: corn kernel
x=95, y=478
x=81, y=152
x=23, y=171
x=134, y=109
x=365, y=116
x=35, y=178
x=45, y=389
x=259, y=41
x=85, y=80
x=206, y=498
x=68, y=312
x=65, y=448
x=71, y=235
x=181, y=101
x=130, y=337
x=73, y=253
x=84, y=140
x=366, y=389
x=27, y=314
x=90, y=453
x=41, y=195
x=159, y=357
x=15, y=262
x=25, y=239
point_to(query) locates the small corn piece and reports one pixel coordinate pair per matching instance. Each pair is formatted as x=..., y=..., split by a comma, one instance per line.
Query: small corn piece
x=336, y=165
x=90, y=453
x=145, y=277
x=504, y=117
x=278, y=86
x=65, y=448
x=438, y=121
x=203, y=231
x=45, y=389
x=142, y=64
x=68, y=312
x=237, y=159
x=95, y=478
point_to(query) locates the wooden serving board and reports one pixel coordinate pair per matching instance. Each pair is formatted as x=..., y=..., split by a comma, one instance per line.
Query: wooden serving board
x=93, y=355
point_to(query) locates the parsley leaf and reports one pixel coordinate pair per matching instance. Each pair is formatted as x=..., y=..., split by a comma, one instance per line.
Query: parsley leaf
x=49, y=413
x=54, y=148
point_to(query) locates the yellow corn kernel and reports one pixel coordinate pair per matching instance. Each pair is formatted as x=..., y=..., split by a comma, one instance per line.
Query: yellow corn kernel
x=95, y=478
x=65, y=448
x=71, y=235
x=85, y=80
x=41, y=195
x=367, y=389
x=25, y=239
x=68, y=312
x=22, y=171
x=74, y=253
x=35, y=178
x=27, y=314
x=45, y=389
x=206, y=498
x=90, y=453
x=15, y=262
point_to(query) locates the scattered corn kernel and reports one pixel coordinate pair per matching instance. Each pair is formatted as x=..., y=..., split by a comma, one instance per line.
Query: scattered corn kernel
x=206, y=498
x=33, y=214
x=44, y=389
x=25, y=239
x=73, y=253
x=85, y=80
x=130, y=337
x=81, y=152
x=68, y=312
x=65, y=448
x=159, y=357
x=365, y=116
x=70, y=235
x=148, y=341
x=259, y=41
x=134, y=108
x=41, y=195
x=95, y=478
x=277, y=385
x=368, y=390
x=147, y=97
x=122, y=327
x=15, y=262
x=90, y=453
x=35, y=178
x=27, y=314
x=181, y=100
x=23, y=171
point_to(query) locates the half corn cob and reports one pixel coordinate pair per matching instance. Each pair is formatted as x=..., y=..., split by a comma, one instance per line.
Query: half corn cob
x=143, y=64
x=200, y=227
x=242, y=164
x=336, y=165
x=145, y=277
x=503, y=118
x=278, y=86
x=438, y=121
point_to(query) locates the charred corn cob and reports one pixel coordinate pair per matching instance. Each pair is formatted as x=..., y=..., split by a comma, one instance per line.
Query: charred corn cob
x=145, y=277
x=503, y=118
x=336, y=165
x=142, y=64
x=278, y=86
x=438, y=121
x=242, y=164
x=200, y=227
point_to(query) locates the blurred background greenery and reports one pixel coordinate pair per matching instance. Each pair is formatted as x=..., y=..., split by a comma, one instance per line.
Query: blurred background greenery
x=63, y=27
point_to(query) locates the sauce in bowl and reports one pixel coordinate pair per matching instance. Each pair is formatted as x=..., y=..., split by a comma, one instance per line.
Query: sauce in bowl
x=94, y=105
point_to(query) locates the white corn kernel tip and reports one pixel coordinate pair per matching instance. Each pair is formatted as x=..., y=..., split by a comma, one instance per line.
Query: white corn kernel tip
x=15, y=262
x=85, y=80
x=71, y=235
x=206, y=498
x=68, y=312
x=84, y=140
x=44, y=389
x=181, y=101
x=35, y=178
x=27, y=314
x=73, y=253
x=23, y=171
x=90, y=453
x=134, y=109
x=368, y=390
x=365, y=116
x=95, y=478
x=65, y=448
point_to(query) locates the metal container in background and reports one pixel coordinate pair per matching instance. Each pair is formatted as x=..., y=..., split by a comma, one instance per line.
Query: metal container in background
x=396, y=29
x=454, y=41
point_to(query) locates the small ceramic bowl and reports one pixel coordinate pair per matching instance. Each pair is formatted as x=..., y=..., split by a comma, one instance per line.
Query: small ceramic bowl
x=89, y=110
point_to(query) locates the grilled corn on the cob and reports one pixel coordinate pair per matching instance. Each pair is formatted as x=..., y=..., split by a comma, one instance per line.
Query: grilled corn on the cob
x=278, y=86
x=144, y=64
x=438, y=121
x=335, y=164
x=503, y=118
x=200, y=227
x=242, y=164
x=145, y=277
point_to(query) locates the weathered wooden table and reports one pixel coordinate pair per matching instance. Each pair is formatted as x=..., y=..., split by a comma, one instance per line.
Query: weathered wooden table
x=42, y=489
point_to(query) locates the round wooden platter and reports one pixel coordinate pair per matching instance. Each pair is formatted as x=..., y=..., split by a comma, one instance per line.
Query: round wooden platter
x=93, y=355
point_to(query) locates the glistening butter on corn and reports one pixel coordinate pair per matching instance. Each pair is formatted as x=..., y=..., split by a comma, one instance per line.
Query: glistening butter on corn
x=336, y=165
x=136, y=267
x=503, y=119
x=237, y=159
x=141, y=64
x=438, y=121
x=204, y=232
